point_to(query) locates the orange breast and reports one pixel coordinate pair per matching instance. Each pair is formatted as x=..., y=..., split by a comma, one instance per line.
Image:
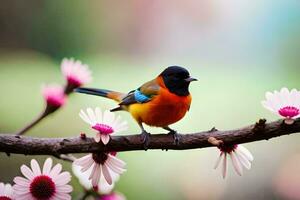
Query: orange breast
x=163, y=110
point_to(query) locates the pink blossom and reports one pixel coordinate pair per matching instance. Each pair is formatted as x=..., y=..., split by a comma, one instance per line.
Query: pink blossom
x=54, y=95
x=75, y=72
x=284, y=103
x=104, y=123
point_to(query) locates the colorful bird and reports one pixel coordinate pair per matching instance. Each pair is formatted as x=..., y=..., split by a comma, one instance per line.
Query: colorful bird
x=159, y=102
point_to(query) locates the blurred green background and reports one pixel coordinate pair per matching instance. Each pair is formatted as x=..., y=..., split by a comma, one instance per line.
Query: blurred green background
x=237, y=49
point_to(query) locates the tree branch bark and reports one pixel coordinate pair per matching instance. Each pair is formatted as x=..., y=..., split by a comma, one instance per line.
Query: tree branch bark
x=57, y=146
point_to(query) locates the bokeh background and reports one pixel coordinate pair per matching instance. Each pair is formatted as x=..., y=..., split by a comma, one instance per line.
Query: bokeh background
x=237, y=49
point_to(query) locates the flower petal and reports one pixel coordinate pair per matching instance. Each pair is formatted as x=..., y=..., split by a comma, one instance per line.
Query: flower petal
x=218, y=160
x=245, y=152
x=268, y=106
x=116, y=161
x=47, y=166
x=224, y=169
x=278, y=100
x=27, y=196
x=65, y=189
x=2, y=187
x=91, y=115
x=95, y=167
x=55, y=171
x=98, y=115
x=105, y=139
x=21, y=189
x=87, y=165
x=81, y=161
x=236, y=164
x=61, y=196
x=114, y=168
x=62, y=179
x=21, y=181
x=285, y=96
x=97, y=137
x=106, y=174
x=35, y=167
x=295, y=98
x=26, y=171
x=85, y=118
x=244, y=161
x=96, y=175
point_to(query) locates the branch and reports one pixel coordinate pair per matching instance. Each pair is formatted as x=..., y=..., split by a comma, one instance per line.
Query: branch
x=57, y=146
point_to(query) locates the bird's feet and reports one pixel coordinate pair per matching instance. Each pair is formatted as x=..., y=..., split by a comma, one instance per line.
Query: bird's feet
x=145, y=138
x=176, y=136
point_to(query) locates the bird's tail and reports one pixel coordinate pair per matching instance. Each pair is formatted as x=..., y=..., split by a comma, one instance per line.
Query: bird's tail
x=117, y=96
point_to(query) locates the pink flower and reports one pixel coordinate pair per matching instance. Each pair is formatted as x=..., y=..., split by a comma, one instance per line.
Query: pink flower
x=105, y=124
x=48, y=184
x=240, y=157
x=54, y=95
x=284, y=103
x=112, y=196
x=101, y=164
x=75, y=72
x=6, y=192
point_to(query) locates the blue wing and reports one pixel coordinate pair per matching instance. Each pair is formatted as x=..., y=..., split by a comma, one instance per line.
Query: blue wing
x=141, y=95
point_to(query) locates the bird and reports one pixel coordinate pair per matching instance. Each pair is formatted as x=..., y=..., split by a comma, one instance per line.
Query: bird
x=159, y=103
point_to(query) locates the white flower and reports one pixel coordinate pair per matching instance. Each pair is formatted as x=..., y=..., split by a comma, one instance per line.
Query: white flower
x=240, y=157
x=284, y=103
x=75, y=72
x=102, y=188
x=105, y=124
x=101, y=164
x=6, y=191
x=48, y=184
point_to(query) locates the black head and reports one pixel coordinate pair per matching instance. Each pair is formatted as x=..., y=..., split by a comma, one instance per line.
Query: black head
x=177, y=80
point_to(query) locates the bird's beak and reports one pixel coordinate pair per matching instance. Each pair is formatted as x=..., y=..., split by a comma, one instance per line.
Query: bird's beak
x=190, y=79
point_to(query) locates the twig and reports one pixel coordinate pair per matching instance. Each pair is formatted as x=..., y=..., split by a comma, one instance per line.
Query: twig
x=49, y=109
x=32, y=124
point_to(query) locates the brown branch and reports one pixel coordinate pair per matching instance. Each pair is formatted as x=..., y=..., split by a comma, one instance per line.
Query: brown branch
x=57, y=146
